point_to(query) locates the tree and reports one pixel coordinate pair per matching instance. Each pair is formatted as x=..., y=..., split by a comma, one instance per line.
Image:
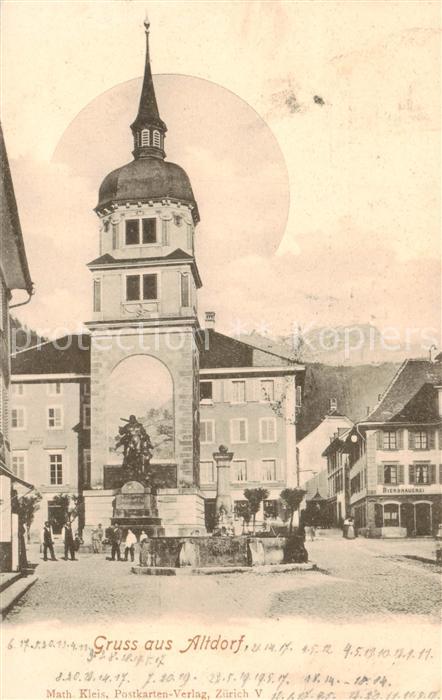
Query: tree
x=255, y=497
x=292, y=498
x=242, y=510
x=70, y=505
x=27, y=507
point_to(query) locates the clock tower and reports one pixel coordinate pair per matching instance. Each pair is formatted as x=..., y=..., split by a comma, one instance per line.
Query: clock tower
x=145, y=325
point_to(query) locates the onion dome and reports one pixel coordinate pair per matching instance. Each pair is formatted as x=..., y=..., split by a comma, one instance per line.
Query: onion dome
x=149, y=177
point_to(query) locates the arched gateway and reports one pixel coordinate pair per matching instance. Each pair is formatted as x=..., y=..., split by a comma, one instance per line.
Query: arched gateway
x=145, y=325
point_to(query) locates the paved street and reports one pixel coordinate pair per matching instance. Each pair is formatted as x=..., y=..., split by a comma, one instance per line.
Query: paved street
x=357, y=578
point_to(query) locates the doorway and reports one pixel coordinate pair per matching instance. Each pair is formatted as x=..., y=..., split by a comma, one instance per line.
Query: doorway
x=423, y=519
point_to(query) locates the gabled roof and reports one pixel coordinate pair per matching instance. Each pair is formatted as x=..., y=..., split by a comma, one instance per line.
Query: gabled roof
x=222, y=351
x=337, y=442
x=67, y=355
x=71, y=355
x=410, y=395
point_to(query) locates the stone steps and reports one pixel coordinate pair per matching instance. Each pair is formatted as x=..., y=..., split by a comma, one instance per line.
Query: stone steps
x=14, y=591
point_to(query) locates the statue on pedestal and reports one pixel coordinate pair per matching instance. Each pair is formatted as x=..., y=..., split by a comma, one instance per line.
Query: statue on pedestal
x=137, y=448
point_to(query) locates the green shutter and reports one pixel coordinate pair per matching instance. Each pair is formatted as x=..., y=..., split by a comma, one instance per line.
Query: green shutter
x=400, y=439
x=440, y=473
x=379, y=439
x=411, y=440
x=411, y=474
x=400, y=473
x=432, y=473
x=279, y=470
x=380, y=473
x=431, y=439
x=226, y=390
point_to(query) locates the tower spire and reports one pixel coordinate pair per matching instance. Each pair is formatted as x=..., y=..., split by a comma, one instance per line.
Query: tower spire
x=148, y=129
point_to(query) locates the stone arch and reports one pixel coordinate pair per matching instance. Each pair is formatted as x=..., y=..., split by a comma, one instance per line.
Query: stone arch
x=141, y=384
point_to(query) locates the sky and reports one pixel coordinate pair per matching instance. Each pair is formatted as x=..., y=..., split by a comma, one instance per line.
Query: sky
x=310, y=132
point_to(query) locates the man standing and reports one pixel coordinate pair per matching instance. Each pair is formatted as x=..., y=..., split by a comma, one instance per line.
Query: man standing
x=129, y=546
x=116, y=542
x=68, y=539
x=47, y=540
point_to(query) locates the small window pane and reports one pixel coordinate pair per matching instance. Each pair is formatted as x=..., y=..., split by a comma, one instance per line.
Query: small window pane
x=206, y=392
x=239, y=470
x=149, y=230
x=149, y=287
x=133, y=288
x=132, y=232
x=268, y=470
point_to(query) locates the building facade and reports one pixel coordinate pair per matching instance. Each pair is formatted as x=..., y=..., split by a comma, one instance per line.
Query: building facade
x=395, y=470
x=14, y=275
x=50, y=422
x=249, y=400
x=310, y=457
x=146, y=355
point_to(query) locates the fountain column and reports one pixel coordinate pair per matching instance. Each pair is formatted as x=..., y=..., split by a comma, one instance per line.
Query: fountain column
x=223, y=503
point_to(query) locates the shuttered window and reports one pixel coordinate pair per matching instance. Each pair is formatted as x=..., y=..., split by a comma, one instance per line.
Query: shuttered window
x=239, y=470
x=207, y=431
x=207, y=472
x=268, y=469
x=238, y=392
x=267, y=429
x=238, y=430
x=423, y=474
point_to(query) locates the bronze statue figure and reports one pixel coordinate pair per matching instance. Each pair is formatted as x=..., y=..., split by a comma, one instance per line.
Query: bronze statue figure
x=137, y=446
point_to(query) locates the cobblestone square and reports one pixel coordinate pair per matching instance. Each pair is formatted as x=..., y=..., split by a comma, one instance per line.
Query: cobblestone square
x=356, y=580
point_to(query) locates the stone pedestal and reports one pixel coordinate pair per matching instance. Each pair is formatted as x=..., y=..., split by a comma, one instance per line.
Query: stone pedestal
x=135, y=507
x=223, y=502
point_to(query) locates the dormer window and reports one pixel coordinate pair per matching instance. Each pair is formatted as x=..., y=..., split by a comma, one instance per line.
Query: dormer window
x=147, y=231
x=145, y=141
x=156, y=139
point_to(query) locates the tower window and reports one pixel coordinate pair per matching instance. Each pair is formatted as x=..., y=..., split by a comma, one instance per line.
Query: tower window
x=132, y=232
x=145, y=137
x=97, y=295
x=157, y=139
x=185, y=290
x=149, y=230
x=134, y=288
x=150, y=287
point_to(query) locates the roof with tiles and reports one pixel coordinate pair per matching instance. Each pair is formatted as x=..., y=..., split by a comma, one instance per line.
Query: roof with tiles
x=411, y=395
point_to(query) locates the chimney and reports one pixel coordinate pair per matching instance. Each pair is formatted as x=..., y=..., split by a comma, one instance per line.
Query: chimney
x=210, y=319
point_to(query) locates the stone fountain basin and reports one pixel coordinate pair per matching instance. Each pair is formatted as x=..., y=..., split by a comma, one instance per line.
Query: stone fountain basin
x=221, y=552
